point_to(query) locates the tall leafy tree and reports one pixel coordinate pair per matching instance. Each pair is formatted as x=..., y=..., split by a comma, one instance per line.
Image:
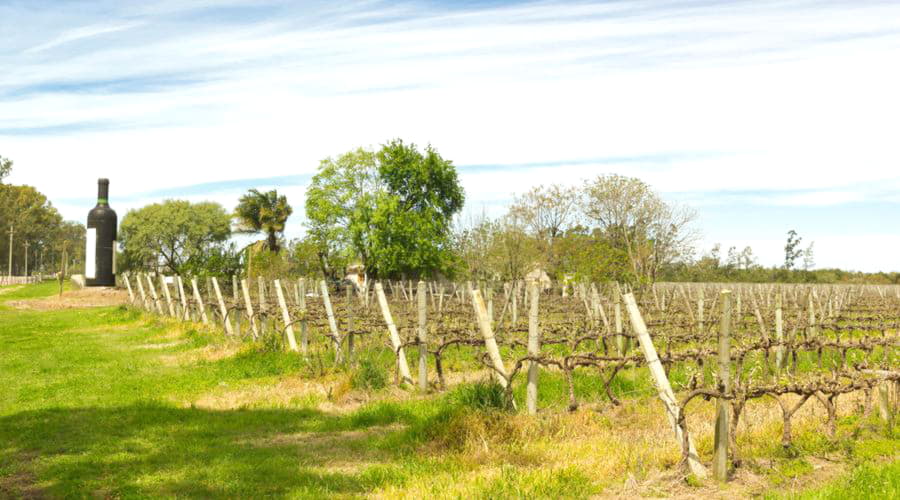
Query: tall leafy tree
x=175, y=234
x=792, y=250
x=259, y=212
x=340, y=202
x=391, y=209
x=413, y=214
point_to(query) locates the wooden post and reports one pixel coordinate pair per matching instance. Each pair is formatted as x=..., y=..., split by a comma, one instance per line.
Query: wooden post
x=884, y=403
x=534, y=349
x=140, y=285
x=185, y=313
x=350, y=322
x=515, y=306
x=222, y=309
x=664, y=389
x=700, y=311
x=620, y=339
x=199, y=300
x=236, y=302
x=720, y=447
x=332, y=324
x=490, y=343
x=395, y=337
x=423, y=339
x=249, y=305
x=286, y=316
x=156, y=301
x=263, y=307
x=130, y=291
x=304, y=334
x=165, y=289
x=779, y=332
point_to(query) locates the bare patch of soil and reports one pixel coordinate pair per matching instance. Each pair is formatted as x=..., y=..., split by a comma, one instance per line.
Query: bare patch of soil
x=76, y=299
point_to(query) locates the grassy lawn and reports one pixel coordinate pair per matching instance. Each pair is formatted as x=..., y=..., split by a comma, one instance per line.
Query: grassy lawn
x=109, y=402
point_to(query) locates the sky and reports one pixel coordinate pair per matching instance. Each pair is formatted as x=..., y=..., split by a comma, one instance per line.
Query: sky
x=763, y=116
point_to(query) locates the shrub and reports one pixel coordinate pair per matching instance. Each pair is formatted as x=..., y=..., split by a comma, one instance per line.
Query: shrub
x=368, y=375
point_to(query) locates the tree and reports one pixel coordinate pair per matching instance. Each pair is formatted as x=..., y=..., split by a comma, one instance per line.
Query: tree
x=413, y=214
x=809, y=261
x=636, y=220
x=174, y=234
x=5, y=168
x=391, y=209
x=473, y=242
x=267, y=213
x=33, y=219
x=791, y=249
x=340, y=202
x=547, y=212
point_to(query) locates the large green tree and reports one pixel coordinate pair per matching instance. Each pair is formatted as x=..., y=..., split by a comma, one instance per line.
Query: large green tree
x=259, y=212
x=391, y=209
x=174, y=234
x=413, y=214
x=340, y=202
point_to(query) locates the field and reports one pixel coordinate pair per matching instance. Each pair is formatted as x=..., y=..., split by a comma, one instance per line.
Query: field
x=120, y=401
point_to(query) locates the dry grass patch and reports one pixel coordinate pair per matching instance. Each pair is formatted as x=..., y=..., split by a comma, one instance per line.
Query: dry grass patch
x=77, y=299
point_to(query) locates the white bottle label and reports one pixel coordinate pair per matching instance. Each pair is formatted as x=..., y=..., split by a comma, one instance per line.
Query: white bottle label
x=90, y=254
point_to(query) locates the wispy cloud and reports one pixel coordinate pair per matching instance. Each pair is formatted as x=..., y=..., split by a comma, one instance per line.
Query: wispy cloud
x=81, y=33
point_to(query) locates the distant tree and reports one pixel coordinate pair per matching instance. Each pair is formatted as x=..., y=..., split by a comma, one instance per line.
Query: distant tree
x=809, y=261
x=34, y=220
x=636, y=220
x=5, y=167
x=791, y=249
x=547, y=212
x=267, y=213
x=172, y=233
x=473, y=242
x=746, y=258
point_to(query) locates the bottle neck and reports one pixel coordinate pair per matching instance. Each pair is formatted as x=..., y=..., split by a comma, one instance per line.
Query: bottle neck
x=103, y=194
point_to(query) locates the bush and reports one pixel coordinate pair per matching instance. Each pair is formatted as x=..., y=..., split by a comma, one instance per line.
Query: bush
x=369, y=376
x=481, y=396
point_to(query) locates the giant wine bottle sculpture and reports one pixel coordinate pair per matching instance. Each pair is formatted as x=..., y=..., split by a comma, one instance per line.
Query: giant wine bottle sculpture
x=100, y=254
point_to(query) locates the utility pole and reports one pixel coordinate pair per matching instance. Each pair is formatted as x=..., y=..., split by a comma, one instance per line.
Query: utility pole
x=11, y=231
x=26, y=258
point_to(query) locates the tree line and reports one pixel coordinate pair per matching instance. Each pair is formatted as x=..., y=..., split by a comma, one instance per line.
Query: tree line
x=34, y=233
x=396, y=212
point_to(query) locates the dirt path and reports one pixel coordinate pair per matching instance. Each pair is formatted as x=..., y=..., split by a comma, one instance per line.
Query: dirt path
x=86, y=297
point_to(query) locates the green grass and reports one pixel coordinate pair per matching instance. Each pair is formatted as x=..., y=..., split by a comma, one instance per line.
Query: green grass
x=104, y=402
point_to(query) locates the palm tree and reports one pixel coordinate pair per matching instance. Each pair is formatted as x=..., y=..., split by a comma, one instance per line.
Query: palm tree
x=263, y=213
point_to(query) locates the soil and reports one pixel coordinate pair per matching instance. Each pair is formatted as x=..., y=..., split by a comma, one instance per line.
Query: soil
x=76, y=299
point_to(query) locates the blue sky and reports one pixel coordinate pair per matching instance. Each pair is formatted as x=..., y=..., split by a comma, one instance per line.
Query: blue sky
x=764, y=116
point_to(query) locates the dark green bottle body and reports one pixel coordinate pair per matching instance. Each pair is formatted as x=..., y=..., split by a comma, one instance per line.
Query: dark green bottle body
x=100, y=251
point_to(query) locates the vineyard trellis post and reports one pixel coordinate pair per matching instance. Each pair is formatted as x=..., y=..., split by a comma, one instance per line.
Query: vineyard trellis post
x=304, y=331
x=199, y=299
x=222, y=309
x=402, y=365
x=249, y=305
x=664, y=389
x=286, y=316
x=332, y=323
x=423, y=346
x=720, y=457
x=534, y=349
